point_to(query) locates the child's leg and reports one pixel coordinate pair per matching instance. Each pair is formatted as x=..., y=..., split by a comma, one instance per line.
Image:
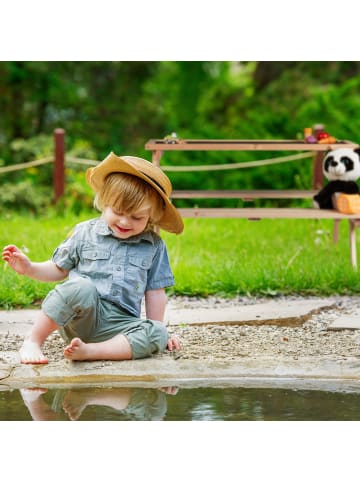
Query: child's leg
x=38, y=408
x=141, y=339
x=75, y=401
x=30, y=352
x=117, y=348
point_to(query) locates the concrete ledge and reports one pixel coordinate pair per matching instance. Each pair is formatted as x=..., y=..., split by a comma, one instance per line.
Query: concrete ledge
x=167, y=372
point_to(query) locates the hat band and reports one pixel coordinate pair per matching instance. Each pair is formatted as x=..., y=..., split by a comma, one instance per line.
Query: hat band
x=155, y=182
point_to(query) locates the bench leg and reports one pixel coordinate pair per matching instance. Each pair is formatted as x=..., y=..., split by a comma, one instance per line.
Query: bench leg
x=336, y=230
x=352, y=225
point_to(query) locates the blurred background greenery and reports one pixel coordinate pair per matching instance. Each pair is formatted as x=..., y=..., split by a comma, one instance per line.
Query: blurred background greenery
x=118, y=106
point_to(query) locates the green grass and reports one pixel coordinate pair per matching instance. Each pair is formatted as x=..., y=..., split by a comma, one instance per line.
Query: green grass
x=213, y=256
x=267, y=257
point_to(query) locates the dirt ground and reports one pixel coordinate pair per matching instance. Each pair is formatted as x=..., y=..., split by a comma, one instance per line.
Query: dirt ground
x=234, y=342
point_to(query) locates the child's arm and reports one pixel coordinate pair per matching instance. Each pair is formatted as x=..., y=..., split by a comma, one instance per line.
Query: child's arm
x=19, y=262
x=155, y=303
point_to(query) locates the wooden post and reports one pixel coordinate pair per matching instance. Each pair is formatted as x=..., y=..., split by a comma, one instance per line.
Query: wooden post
x=59, y=164
x=318, y=175
x=156, y=157
x=353, y=244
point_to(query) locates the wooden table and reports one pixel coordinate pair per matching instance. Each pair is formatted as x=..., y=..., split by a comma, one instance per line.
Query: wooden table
x=159, y=146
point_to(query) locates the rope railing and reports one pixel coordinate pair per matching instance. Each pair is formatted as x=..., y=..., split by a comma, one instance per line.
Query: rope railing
x=85, y=162
x=26, y=165
x=60, y=159
x=238, y=165
x=216, y=167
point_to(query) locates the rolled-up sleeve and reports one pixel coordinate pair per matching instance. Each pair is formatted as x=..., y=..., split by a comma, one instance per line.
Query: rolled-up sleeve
x=66, y=255
x=160, y=274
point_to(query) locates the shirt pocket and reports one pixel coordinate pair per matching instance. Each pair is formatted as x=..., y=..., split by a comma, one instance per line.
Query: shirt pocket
x=95, y=262
x=137, y=271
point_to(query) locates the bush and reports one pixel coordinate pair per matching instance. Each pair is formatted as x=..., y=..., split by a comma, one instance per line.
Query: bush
x=24, y=197
x=30, y=190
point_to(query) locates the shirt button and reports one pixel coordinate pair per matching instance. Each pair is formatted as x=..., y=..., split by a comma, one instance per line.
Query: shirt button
x=118, y=268
x=114, y=292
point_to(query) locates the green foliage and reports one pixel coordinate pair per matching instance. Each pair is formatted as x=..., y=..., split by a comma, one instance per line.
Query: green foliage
x=24, y=197
x=118, y=106
x=78, y=196
x=30, y=189
x=22, y=150
x=37, y=147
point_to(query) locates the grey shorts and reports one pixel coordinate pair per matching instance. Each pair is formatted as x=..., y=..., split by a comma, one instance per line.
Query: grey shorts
x=79, y=311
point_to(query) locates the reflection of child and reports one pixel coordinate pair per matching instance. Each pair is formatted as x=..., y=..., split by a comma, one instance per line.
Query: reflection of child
x=113, y=262
x=141, y=404
x=116, y=403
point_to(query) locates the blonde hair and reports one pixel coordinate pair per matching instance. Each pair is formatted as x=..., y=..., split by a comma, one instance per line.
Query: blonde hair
x=128, y=194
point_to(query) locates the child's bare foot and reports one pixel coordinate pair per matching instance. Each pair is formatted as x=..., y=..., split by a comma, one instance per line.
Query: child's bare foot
x=117, y=348
x=30, y=352
x=74, y=404
x=77, y=350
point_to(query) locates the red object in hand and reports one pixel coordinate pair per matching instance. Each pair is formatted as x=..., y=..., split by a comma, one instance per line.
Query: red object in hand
x=322, y=135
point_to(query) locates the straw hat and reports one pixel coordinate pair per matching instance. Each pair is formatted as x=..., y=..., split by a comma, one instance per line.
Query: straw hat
x=95, y=176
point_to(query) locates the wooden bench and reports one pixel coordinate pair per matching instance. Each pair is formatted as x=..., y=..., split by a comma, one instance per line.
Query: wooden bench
x=254, y=213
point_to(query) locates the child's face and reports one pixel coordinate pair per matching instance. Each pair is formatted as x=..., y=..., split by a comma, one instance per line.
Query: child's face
x=125, y=225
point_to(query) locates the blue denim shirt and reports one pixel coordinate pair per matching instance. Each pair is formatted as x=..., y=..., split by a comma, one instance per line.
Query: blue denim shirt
x=122, y=270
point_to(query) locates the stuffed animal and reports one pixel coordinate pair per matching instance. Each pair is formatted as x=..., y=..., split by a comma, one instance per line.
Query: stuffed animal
x=342, y=168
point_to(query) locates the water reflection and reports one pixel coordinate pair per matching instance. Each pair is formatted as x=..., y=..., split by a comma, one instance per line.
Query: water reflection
x=172, y=403
x=98, y=403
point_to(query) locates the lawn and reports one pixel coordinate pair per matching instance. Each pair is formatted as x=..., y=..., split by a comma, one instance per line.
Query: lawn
x=225, y=257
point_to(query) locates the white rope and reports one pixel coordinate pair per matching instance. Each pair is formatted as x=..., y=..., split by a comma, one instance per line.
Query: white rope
x=45, y=160
x=239, y=165
x=77, y=160
x=26, y=165
x=216, y=167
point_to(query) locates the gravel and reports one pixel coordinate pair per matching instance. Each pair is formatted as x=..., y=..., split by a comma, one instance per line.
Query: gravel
x=234, y=342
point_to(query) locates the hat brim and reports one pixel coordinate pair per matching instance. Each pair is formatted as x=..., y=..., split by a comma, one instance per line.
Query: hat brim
x=95, y=176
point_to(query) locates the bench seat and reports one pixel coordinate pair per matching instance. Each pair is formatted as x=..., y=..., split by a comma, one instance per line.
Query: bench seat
x=266, y=213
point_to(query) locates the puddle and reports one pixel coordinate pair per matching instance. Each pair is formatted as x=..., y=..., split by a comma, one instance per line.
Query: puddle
x=178, y=404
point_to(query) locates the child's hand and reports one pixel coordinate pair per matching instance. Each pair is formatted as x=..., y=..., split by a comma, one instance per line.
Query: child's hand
x=173, y=343
x=169, y=390
x=16, y=259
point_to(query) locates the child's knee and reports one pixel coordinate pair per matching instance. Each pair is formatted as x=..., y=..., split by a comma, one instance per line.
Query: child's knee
x=76, y=292
x=151, y=338
x=79, y=291
x=70, y=299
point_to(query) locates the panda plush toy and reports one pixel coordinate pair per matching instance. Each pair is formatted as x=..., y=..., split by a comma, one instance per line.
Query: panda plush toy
x=342, y=168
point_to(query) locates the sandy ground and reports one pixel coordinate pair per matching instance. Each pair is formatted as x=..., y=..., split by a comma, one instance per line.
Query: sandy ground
x=218, y=342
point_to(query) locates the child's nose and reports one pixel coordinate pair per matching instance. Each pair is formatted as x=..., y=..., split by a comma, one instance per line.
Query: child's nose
x=123, y=220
